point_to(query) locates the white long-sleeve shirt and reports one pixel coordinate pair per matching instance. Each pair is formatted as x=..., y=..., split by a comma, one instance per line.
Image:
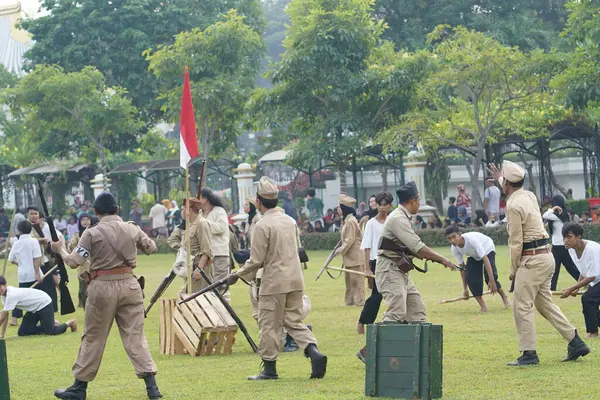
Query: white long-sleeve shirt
x=219, y=228
x=557, y=225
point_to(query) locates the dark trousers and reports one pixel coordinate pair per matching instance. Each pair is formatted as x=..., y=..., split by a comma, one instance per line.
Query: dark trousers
x=49, y=286
x=16, y=313
x=590, y=301
x=562, y=256
x=45, y=318
x=370, y=309
x=474, y=276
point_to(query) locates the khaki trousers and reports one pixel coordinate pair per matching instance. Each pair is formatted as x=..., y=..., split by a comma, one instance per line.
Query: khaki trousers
x=278, y=311
x=532, y=288
x=221, y=268
x=355, y=287
x=201, y=284
x=117, y=299
x=400, y=293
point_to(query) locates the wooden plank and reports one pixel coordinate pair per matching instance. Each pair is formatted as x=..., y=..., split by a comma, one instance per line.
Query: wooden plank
x=216, y=320
x=424, y=388
x=190, y=318
x=184, y=325
x=178, y=347
x=371, y=370
x=182, y=336
x=199, y=314
x=202, y=347
x=396, y=348
x=210, y=345
x=161, y=328
x=220, y=308
x=168, y=327
x=396, y=332
x=221, y=340
x=230, y=342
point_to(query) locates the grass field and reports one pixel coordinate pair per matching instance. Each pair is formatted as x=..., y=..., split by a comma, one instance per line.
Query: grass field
x=476, y=349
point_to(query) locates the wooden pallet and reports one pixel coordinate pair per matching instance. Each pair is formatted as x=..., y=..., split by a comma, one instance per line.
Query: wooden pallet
x=202, y=326
x=169, y=343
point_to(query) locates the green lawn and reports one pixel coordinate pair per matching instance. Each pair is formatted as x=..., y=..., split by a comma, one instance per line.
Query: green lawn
x=476, y=348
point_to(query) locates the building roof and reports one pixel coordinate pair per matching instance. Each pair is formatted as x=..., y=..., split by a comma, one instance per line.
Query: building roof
x=160, y=165
x=47, y=169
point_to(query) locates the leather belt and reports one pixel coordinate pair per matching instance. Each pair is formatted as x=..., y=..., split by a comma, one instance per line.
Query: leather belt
x=535, y=252
x=112, y=271
x=535, y=244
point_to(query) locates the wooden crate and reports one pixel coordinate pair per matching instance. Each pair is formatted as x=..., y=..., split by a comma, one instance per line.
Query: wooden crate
x=404, y=361
x=203, y=326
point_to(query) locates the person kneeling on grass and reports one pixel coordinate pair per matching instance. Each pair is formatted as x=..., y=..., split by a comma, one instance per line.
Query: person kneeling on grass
x=481, y=257
x=586, y=256
x=39, y=310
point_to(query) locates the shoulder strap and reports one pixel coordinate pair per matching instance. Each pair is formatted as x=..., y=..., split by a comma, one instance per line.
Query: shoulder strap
x=103, y=233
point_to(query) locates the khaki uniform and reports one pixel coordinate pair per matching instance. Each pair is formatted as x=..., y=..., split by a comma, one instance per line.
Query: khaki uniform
x=252, y=289
x=176, y=238
x=396, y=287
x=532, y=273
x=82, y=272
x=280, y=304
x=200, y=244
x=354, y=259
x=110, y=244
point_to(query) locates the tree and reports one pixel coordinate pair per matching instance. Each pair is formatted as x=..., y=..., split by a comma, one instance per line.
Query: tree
x=336, y=85
x=224, y=60
x=73, y=114
x=481, y=92
x=112, y=35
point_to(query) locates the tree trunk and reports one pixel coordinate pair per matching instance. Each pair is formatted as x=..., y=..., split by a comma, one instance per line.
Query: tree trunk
x=475, y=194
x=343, y=183
x=529, y=168
x=384, y=177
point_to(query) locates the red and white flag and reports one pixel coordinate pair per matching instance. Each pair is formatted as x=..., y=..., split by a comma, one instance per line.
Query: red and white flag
x=188, y=142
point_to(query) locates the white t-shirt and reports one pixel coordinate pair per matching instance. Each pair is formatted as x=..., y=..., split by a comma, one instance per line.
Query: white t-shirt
x=158, y=213
x=24, y=251
x=47, y=235
x=477, y=245
x=557, y=225
x=589, y=263
x=32, y=300
x=492, y=193
x=371, y=237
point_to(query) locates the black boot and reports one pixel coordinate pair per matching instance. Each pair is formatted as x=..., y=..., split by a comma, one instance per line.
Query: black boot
x=576, y=348
x=151, y=388
x=290, y=345
x=318, y=361
x=75, y=392
x=269, y=371
x=529, y=357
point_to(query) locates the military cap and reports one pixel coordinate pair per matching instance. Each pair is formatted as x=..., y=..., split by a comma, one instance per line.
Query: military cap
x=194, y=203
x=407, y=192
x=347, y=200
x=267, y=189
x=251, y=200
x=511, y=172
x=105, y=201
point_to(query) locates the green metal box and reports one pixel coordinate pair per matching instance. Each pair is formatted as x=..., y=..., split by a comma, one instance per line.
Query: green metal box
x=4, y=389
x=404, y=361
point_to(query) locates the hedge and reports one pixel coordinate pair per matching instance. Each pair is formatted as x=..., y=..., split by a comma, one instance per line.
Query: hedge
x=578, y=206
x=434, y=237
x=431, y=237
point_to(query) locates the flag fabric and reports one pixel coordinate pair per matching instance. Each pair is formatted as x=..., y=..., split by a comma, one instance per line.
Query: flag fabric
x=188, y=142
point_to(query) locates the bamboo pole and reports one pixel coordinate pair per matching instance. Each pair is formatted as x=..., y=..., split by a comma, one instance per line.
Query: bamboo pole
x=461, y=298
x=348, y=271
x=187, y=227
x=51, y=270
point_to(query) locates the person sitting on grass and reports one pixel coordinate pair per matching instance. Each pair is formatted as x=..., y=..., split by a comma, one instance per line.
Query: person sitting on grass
x=39, y=310
x=481, y=257
x=586, y=256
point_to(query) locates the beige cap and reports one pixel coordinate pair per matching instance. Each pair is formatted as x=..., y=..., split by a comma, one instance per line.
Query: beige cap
x=267, y=189
x=194, y=203
x=251, y=200
x=511, y=172
x=347, y=200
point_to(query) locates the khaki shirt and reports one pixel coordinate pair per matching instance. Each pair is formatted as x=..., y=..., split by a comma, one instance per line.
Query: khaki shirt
x=255, y=220
x=351, y=238
x=525, y=224
x=200, y=238
x=112, y=243
x=275, y=248
x=174, y=241
x=398, y=227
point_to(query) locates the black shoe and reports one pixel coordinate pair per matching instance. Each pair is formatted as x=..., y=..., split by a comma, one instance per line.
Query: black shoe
x=75, y=392
x=318, y=361
x=529, y=357
x=269, y=371
x=576, y=348
x=290, y=345
x=309, y=326
x=151, y=388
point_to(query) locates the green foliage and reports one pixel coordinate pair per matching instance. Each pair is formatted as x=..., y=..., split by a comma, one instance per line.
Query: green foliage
x=112, y=35
x=578, y=206
x=223, y=60
x=146, y=202
x=73, y=114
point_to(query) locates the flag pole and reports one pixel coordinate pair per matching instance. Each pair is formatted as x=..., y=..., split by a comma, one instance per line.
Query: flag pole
x=188, y=227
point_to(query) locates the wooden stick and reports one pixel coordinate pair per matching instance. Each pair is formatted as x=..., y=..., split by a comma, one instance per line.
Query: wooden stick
x=187, y=228
x=461, y=298
x=10, y=235
x=44, y=276
x=349, y=271
x=559, y=293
